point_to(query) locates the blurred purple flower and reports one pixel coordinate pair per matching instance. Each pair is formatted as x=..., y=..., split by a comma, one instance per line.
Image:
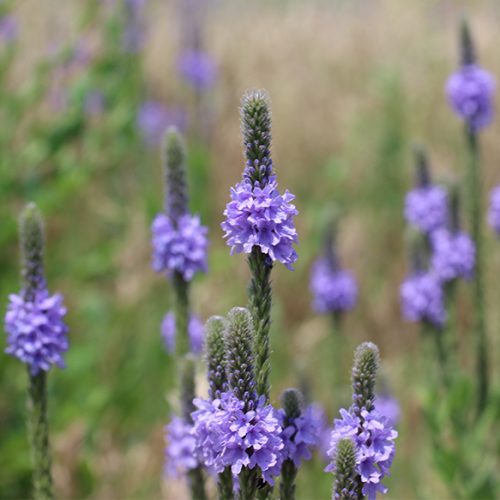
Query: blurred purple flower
x=427, y=207
x=181, y=249
x=197, y=68
x=388, y=407
x=180, y=448
x=94, y=103
x=261, y=217
x=8, y=28
x=494, y=210
x=36, y=332
x=227, y=436
x=153, y=119
x=134, y=33
x=422, y=299
x=333, y=289
x=470, y=93
x=453, y=254
x=374, y=439
x=195, y=332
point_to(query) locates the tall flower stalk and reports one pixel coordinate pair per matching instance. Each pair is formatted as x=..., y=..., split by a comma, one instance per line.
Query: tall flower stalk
x=36, y=336
x=470, y=92
x=180, y=251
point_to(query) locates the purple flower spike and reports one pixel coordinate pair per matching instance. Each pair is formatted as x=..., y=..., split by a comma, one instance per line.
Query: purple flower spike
x=180, y=450
x=470, y=93
x=197, y=68
x=195, y=332
x=388, y=407
x=453, y=255
x=494, y=210
x=263, y=218
x=422, y=299
x=426, y=207
x=374, y=438
x=228, y=436
x=334, y=290
x=301, y=434
x=36, y=330
x=181, y=249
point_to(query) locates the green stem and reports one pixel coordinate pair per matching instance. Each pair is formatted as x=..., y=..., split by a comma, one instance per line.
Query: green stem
x=287, y=485
x=476, y=217
x=337, y=342
x=260, y=306
x=181, y=311
x=248, y=483
x=39, y=436
x=225, y=484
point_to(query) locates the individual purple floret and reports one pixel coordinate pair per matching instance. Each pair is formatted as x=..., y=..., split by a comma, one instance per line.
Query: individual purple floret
x=180, y=449
x=153, y=119
x=453, y=255
x=388, y=407
x=195, y=332
x=8, y=29
x=426, y=207
x=470, y=93
x=182, y=249
x=300, y=435
x=422, y=299
x=494, y=210
x=374, y=439
x=227, y=436
x=333, y=289
x=36, y=332
x=263, y=218
x=197, y=68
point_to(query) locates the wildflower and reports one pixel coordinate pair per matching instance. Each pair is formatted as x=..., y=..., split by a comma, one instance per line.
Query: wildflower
x=181, y=249
x=153, y=119
x=195, y=331
x=8, y=28
x=197, y=68
x=333, y=289
x=453, y=255
x=180, y=449
x=388, y=407
x=422, y=298
x=426, y=207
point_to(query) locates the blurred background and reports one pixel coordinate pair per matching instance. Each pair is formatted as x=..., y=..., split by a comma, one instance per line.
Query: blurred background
x=87, y=89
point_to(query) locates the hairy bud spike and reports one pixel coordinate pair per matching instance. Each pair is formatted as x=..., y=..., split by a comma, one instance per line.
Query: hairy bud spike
x=467, y=49
x=216, y=356
x=176, y=198
x=292, y=402
x=364, y=374
x=32, y=250
x=240, y=342
x=346, y=482
x=256, y=131
x=422, y=171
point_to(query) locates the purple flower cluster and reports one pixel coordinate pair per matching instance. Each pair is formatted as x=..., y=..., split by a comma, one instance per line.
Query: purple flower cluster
x=197, y=68
x=494, y=210
x=181, y=249
x=261, y=217
x=426, y=207
x=300, y=435
x=453, y=255
x=470, y=93
x=153, y=119
x=180, y=450
x=227, y=436
x=422, y=298
x=374, y=439
x=195, y=332
x=36, y=332
x=333, y=289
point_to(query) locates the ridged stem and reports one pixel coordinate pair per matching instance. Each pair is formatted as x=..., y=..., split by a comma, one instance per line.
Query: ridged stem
x=260, y=298
x=248, y=480
x=181, y=311
x=476, y=217
x=39, y=436
x=225, y=484
x=288, y=476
